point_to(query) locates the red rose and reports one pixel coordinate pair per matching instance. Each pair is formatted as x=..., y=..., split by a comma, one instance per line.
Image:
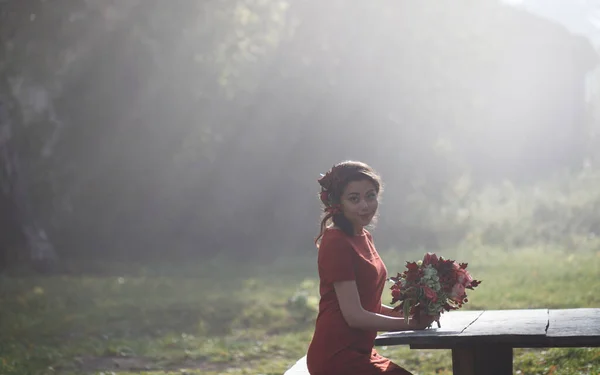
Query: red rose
x=412, y=276
x=412, y=266
x=430, y=294
x=464, y=277
x=458, y=292
x=430, y=258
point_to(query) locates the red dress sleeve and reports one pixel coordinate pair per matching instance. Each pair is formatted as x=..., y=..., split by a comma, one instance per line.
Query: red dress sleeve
x=335, y=260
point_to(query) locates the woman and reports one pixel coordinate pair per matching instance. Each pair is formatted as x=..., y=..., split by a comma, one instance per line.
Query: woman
x=352, y=279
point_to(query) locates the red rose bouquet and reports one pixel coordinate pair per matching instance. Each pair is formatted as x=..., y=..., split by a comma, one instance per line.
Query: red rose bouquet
x=431, y=286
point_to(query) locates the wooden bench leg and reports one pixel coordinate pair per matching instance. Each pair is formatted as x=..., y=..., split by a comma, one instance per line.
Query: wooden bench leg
x=484, y=359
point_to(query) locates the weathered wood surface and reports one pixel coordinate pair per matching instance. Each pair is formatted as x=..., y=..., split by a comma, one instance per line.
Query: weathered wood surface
x=513, y=328
x=525, y=328
x=452, y=324
x=574, y=327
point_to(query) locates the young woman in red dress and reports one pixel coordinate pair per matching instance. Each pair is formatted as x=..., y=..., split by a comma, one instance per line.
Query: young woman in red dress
x=352, y=279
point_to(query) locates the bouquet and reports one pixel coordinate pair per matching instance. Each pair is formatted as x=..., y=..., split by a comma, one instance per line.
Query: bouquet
x=431, y=286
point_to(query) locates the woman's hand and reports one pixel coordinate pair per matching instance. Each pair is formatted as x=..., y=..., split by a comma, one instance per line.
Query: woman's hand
x=389, y=311
x=422, y=321
x=396, y=314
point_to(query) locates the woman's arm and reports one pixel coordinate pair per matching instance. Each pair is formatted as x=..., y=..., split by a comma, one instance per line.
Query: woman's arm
x=357, y=317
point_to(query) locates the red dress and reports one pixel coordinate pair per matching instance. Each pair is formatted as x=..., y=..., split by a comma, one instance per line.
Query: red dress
x=336, y=348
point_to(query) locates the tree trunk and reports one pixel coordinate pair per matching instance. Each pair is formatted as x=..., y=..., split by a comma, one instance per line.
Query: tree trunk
x=17, y=207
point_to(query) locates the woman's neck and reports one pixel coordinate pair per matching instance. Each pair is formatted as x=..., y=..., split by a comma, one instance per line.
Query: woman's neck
x=357, y=231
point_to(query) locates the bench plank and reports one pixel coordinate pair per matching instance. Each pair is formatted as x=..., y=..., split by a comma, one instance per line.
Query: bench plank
x=453, y=323
x=516, y=328
x=574, y=327
x=509, y=322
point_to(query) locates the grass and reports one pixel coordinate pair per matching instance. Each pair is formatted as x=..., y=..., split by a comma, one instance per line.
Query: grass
x=226, y=318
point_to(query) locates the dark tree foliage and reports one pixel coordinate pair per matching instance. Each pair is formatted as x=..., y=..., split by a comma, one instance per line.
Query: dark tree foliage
x=146, y=129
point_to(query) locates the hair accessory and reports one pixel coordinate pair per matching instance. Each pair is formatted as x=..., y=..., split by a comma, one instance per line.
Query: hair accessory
x=324, y=196
x=324, y=180
x=334, y=209
x=328, y=182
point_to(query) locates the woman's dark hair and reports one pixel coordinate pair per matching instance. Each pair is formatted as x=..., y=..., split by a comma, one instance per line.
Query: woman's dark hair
x=333, y=184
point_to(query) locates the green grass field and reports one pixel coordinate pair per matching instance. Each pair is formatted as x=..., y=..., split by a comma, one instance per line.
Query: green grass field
x=223, y=318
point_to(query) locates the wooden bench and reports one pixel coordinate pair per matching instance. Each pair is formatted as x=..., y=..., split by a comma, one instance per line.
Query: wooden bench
x=482, y=341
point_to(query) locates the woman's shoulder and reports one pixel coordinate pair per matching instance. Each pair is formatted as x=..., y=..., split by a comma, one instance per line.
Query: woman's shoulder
x=334, y=244
x=333, y=236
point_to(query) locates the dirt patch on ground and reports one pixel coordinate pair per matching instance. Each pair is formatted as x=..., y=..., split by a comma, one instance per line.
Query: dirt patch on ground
x=117, y=364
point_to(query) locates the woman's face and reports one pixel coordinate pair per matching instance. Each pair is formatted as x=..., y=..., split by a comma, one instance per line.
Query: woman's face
x=359, y=203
